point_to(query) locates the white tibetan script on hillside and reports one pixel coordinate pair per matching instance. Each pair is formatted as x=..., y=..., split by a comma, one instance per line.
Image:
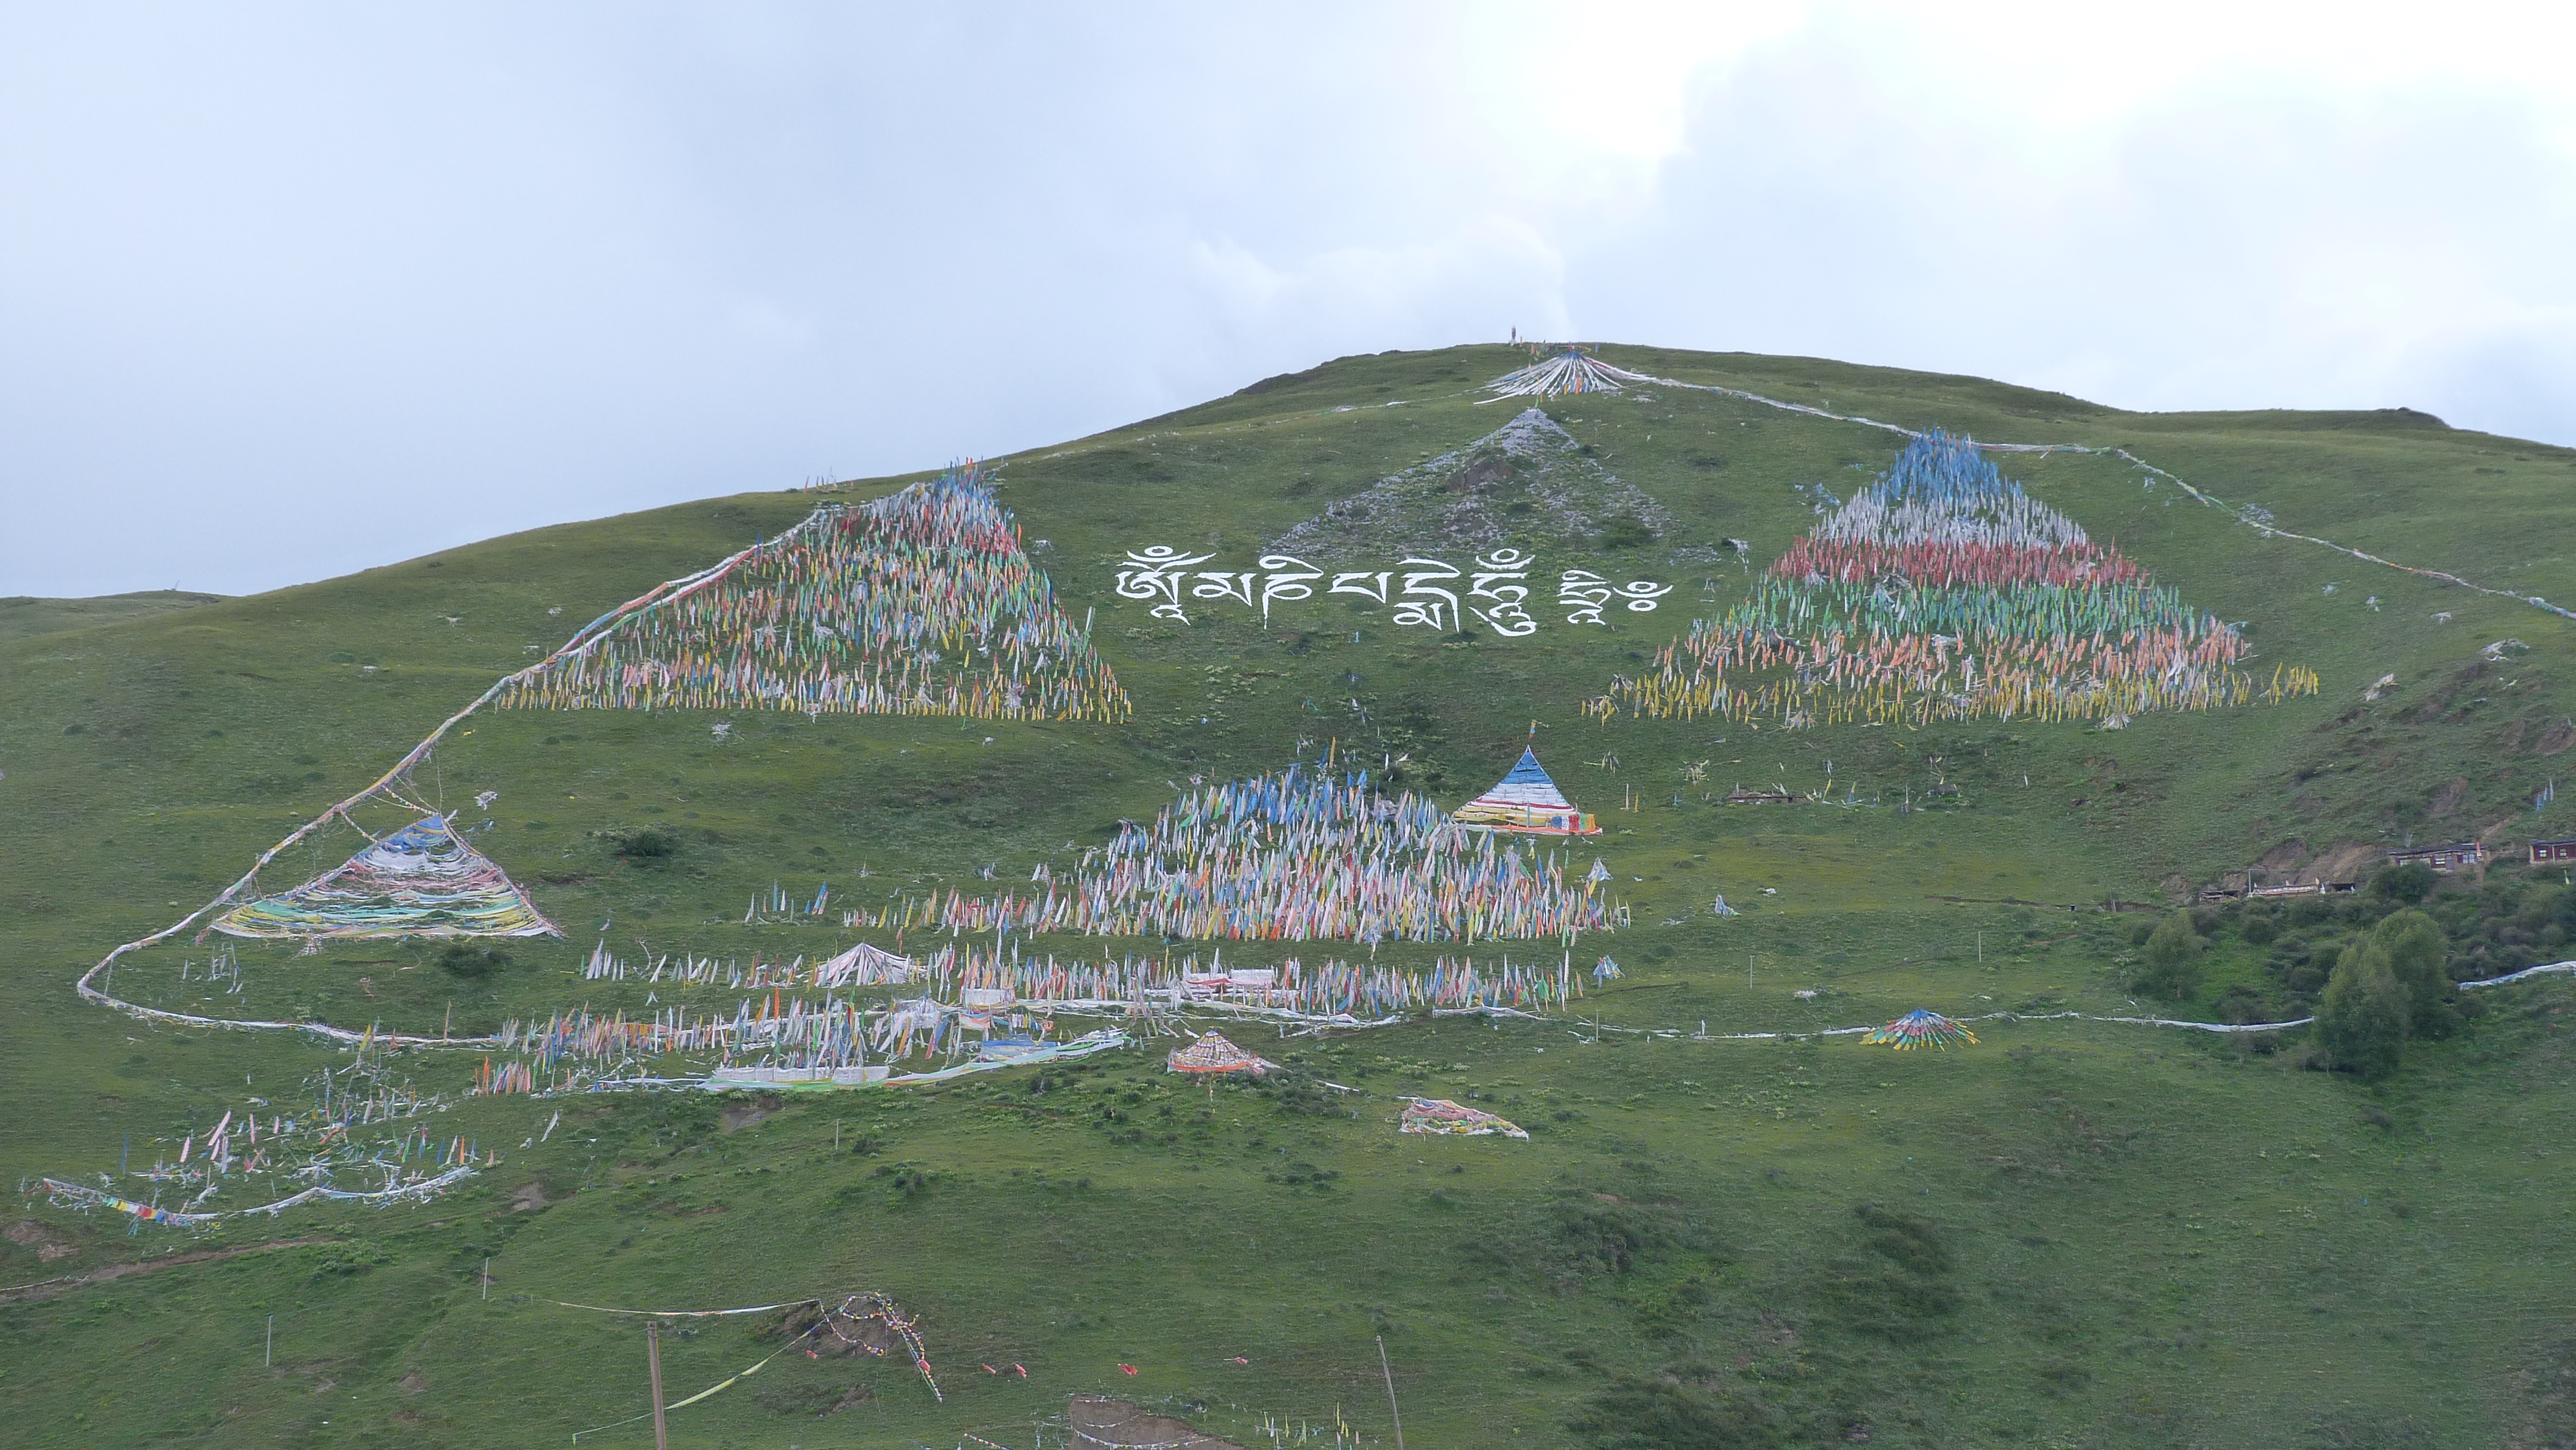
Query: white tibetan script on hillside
x=1430, y=593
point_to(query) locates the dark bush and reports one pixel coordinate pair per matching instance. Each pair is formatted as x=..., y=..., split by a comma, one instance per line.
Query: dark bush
x=1898, y=1288
x=1678, y=1409
x=473, y=962
x=2241, y=1003
x=2409, y=883
x=909, y=1180
x=2310, y=910
x=649, y=846
x=348, y=1257
x=1625, y=531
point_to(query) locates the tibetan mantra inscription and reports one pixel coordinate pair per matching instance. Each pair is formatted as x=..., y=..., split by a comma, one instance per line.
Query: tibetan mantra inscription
x=1422, y=592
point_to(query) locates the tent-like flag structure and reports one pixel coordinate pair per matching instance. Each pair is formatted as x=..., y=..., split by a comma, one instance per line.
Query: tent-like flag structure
x=1439, y=1115
x=1920, y=1028
x=866, y=966
x=421, y=881
x=1212, y=1056
x=1569, y=370
x=1528, y=802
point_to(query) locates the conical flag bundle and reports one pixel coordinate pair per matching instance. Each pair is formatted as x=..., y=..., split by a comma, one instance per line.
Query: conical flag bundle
x=1944, y=592
x=420, y=881
x=919, y=603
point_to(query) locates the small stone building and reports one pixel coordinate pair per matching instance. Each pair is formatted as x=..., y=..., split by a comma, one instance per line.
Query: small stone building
x=2459, y=856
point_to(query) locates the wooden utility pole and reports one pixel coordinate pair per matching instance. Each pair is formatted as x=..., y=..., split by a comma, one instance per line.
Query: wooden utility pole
x=1389, y=1371
x=653, y=1359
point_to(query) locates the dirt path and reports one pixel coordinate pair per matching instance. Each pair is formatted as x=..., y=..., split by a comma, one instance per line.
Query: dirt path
x=50, y=1288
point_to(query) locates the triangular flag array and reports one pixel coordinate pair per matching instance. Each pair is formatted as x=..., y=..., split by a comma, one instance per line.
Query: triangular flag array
x=919, y=603
x=1945, y=592
x=421, y=881
x=1213, y=1055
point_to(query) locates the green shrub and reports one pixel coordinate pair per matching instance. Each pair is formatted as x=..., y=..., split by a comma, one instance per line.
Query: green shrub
x=2409, y=883
x=2419, y=958
x=472, y=962
x=1899, y=1288
x=1626, y=531
x=2170, y=965
x=2363, y=1020
x=1681, y=1408
x=348, y=1258
x=651, y=846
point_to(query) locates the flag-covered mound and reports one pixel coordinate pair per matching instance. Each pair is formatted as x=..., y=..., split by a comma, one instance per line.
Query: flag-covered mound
x=1943, y=592
x=865, y=966
x=1212, y=1055
x=420, y=881
x=1567, y=370
x=1439, y=1115
x=1527, y=801
x=1298, y=855
x=920, y=603
x=1920, y=1028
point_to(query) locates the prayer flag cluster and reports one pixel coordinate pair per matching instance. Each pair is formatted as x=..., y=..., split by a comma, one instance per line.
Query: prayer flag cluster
x=1568, y=370
x=1943, y=592
x=919, y=603
x=421, y=881
x=1289, y=856
x=1920, y=1028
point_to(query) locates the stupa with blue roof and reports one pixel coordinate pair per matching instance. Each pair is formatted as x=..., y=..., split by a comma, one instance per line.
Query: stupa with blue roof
x=1527, y=802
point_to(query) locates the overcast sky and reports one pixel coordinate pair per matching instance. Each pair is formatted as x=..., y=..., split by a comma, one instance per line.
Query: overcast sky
x=290, y=292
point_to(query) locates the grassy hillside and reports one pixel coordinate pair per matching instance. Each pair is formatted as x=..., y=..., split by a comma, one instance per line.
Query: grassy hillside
x=2074, y=1233
x=21, y=615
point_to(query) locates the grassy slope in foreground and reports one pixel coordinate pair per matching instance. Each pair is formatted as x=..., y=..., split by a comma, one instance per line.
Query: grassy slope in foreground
x=2077, y=1234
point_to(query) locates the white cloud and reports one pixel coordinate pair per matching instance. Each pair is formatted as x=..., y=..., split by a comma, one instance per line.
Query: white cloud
x=280, y=299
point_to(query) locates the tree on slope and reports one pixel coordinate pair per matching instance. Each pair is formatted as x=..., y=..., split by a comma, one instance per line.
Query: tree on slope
x=2419, y=956
x=2363, y=1021
x=2171, y=966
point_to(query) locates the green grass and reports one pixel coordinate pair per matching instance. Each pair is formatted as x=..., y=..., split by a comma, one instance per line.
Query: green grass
x=2071, y=1234
x=21, y=616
